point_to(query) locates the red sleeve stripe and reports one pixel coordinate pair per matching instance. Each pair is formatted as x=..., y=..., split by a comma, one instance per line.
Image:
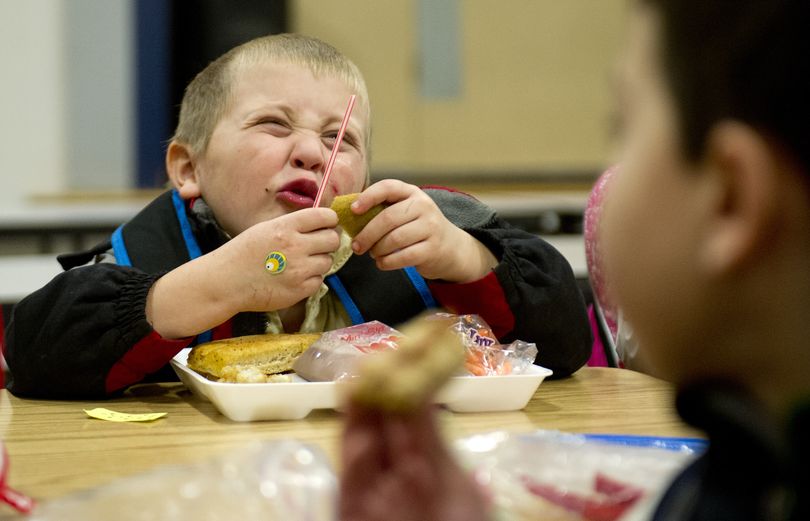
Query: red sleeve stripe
x=483, y=297
x=446, y=189
x=224, y=330
x=147, y=356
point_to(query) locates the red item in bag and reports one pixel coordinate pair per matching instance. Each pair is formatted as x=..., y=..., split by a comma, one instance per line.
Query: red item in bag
x=336, y=354
x=610, y=501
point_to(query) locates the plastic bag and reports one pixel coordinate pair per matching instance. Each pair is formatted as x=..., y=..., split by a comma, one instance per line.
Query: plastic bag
x=335, y=355
x=272, y=480
x=485, y=356
x=542, y=475
x=556, y=476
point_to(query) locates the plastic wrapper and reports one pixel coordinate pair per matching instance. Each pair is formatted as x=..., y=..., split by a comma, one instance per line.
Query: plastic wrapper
x=545, y=475
x=485, y=356
x=569, y=477
x=263, y=481
x=336, y=354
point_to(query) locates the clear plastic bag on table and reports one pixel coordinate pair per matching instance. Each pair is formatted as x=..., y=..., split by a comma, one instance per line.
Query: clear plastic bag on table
x=335, y=355
x=262, y=481
x=556, y=476
x=485, y=355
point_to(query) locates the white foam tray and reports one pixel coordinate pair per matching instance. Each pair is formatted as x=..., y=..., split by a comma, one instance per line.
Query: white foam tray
x=294, y=400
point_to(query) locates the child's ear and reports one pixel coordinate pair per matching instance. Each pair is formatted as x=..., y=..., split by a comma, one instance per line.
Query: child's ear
x=182, y=170
x=743, y=199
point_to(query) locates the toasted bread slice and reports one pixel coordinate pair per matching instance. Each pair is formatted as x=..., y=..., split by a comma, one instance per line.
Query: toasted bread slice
x=241, y=359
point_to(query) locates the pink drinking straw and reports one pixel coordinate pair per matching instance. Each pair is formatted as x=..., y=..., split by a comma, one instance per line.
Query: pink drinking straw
x=334, y=153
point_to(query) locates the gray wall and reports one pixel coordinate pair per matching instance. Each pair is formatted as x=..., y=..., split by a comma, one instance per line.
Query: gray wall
x=65, y=109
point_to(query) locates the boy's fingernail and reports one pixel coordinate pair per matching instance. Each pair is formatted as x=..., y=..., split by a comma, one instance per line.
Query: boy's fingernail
x=355, y=246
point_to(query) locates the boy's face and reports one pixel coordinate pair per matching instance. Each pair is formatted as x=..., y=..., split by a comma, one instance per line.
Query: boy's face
x=267, y=154
x=653, y=214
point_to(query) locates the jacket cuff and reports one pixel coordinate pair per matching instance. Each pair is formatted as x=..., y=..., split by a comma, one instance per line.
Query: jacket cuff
x=149, y=351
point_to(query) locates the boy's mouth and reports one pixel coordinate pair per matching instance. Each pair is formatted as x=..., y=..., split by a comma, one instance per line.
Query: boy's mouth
x=299, y=193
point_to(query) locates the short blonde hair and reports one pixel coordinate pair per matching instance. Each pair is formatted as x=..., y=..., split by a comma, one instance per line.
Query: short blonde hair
x=207, y=96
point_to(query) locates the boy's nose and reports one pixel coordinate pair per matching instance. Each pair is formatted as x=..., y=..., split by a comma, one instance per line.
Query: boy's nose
x=308, y=154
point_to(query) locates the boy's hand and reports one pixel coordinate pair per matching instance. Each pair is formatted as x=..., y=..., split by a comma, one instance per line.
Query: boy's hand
x=307, y=238
x=209, y=290
x=412, y=231
x=397, y=468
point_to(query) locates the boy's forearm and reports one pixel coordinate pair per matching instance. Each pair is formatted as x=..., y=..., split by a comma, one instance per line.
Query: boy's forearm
x=189, y=300
x=476, y=261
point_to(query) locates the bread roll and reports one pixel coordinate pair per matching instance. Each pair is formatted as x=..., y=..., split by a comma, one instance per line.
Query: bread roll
x=353, y=224
x=253, y=358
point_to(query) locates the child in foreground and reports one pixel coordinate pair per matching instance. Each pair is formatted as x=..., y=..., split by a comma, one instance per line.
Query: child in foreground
x=235, y=248
x=706, y=245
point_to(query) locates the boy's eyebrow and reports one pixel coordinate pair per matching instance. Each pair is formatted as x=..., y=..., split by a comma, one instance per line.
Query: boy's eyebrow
x=287, y=110
x=257, y=113
x=267, y=107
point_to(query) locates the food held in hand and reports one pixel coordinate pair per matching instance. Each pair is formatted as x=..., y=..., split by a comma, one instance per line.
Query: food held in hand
x=353, y=224
x=250, y=359
x=400, y=380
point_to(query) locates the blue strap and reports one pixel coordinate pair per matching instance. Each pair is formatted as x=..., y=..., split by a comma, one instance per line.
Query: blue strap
x=421, y=286
x=192, y=247
x=340, y=290
x=119, y=248
x=185, y=227
x=202, y=338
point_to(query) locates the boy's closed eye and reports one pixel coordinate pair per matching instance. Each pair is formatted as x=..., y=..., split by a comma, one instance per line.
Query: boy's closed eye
x=275, y=125
x=349, y=140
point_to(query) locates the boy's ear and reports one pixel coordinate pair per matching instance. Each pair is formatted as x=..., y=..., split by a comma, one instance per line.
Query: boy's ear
x=182, y=170
x=742, y=166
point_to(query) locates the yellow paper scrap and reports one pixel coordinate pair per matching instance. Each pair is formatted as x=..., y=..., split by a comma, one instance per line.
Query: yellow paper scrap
x=113, y=416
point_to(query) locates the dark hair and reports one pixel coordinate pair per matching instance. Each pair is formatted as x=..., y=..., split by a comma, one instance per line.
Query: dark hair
x=743, y=59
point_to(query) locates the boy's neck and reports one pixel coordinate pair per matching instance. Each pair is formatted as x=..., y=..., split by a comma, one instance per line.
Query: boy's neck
x=777, y=330
x=753, y=327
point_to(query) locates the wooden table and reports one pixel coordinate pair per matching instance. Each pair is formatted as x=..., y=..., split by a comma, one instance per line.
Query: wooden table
x=55, y=449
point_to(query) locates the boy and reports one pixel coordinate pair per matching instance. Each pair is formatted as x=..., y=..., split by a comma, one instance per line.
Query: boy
x=706, y=246
x=256, y=129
